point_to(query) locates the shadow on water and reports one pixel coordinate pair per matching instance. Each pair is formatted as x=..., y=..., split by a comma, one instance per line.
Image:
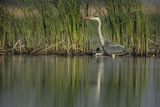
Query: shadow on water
x=51, y=81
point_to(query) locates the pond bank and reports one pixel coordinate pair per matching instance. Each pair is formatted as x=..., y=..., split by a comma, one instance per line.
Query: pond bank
x=72, y=53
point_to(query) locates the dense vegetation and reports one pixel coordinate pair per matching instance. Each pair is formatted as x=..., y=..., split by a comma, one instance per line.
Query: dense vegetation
x=45, y=26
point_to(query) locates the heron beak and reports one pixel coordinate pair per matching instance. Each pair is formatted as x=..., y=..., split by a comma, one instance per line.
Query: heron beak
x=86, y=17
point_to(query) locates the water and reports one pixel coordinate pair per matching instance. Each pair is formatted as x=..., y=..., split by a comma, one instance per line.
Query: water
x=51, y=81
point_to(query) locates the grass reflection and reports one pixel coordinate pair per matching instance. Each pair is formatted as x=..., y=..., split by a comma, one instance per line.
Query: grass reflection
x=79, y=81
x=45, y=79
x=126, y=85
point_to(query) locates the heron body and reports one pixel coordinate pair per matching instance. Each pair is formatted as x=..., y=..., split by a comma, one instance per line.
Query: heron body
x=108, y=47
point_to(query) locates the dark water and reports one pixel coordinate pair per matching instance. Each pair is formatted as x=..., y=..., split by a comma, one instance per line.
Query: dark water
x=51, y=81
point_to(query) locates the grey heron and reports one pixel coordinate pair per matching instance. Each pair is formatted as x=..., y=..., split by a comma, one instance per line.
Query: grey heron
x=108, y=47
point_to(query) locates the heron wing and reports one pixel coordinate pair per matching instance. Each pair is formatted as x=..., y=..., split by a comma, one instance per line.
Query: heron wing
x=112, y=48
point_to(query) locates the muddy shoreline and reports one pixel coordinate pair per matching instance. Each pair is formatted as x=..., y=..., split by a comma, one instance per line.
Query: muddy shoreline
x=72, y=53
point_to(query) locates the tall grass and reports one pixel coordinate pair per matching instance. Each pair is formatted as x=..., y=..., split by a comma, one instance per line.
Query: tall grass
x=43, y=26
x=128, y=25
x=3, y=27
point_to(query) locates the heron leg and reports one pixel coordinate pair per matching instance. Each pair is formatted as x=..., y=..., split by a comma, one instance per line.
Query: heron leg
x=113, y=56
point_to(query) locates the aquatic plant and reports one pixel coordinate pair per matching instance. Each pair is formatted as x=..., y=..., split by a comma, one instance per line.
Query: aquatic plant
x=45, y=26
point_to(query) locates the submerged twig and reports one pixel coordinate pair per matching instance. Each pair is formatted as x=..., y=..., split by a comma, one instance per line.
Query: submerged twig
x=153, y=42
x=34, y=51
x=52, y=46
x=1, y=53
x=15, y=45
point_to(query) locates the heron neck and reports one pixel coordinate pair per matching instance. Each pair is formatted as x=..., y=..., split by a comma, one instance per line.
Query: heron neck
x=100, y=33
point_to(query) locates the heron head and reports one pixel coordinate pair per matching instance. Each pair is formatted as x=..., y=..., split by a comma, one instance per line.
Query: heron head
x=96, y=18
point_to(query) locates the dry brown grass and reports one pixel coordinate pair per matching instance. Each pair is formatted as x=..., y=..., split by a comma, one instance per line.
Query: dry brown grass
x=99, y=10
x=19, y=12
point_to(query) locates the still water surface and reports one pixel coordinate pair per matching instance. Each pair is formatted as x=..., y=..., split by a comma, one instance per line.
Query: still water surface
x=51, y=81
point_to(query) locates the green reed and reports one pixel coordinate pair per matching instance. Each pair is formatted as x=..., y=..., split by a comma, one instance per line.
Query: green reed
x=129, y=25
x=3, y=26
x=43, y=26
